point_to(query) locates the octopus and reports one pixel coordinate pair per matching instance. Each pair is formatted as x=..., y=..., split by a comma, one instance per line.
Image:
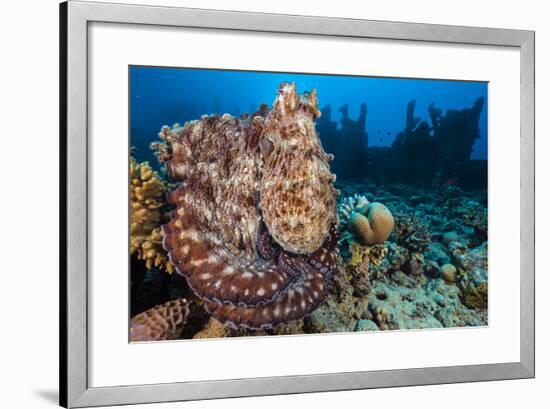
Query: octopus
x=253, y=226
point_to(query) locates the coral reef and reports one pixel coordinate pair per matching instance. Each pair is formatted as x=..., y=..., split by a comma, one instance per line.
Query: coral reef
x=402, y=283
x=370, y=223
x=263, y=245
x=254, y=228
x=428, y=276
x=147, y=191
x=163, y=322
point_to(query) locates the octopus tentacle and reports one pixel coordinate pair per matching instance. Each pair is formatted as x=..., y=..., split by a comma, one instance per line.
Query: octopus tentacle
x=212, y=271
x=297, y=301
x=267, y=248
x=288, y=264
x=214, y=276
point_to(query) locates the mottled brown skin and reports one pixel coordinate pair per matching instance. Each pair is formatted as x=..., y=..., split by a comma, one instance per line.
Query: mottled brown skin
x=253, y=229
x=296, y=194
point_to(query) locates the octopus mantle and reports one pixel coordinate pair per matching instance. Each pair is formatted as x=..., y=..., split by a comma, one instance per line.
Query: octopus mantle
x=254, y=225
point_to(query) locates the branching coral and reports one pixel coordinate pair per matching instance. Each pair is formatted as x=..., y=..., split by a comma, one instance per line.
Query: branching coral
x=163, y=322
x=147, y=192
x=351, y=205
x=370, y=223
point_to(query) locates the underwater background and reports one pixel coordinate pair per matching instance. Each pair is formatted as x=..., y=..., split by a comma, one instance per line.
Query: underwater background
x=418, y=147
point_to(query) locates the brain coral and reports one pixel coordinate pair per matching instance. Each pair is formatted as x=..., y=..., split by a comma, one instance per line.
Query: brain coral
x=370, y=223
x=162, y=322
x=448, y=272
x=254, y=229
x=147, y=192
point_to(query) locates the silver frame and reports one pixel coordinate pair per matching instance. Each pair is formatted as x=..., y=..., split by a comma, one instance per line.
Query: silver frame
x=74, y=18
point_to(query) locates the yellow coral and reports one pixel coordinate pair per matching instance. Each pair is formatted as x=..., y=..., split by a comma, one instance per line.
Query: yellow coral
x=375, y=227
x=147, y=192
x=363, y=256
x=214, y=329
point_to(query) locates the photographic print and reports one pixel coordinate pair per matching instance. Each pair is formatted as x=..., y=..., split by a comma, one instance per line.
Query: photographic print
x=268, y=203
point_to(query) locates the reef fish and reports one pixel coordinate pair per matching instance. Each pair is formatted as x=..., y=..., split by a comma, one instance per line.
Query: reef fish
x=254, y=224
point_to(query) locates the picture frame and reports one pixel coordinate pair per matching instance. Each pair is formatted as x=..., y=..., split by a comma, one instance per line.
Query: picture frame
x=75, y=17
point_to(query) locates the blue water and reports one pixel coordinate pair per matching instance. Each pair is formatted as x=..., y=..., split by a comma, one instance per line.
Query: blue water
x=164, y=96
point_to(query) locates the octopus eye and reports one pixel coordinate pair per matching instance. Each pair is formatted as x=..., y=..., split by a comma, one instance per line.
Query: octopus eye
x=266, y=146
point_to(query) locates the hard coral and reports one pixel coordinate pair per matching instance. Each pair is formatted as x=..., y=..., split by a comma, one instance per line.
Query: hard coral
x=362, y=257
x=370, y=223
x=448, y=272
x=475, y=296
x=255, y=226
x=411, y=233
x=147, y=192
x=473, y=277
x=214, y=329
x=163, y=322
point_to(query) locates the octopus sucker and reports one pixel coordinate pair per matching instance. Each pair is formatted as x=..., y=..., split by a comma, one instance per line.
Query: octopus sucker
x=254, y=225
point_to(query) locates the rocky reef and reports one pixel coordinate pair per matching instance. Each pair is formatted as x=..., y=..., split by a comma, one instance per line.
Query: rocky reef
x=264, y=241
